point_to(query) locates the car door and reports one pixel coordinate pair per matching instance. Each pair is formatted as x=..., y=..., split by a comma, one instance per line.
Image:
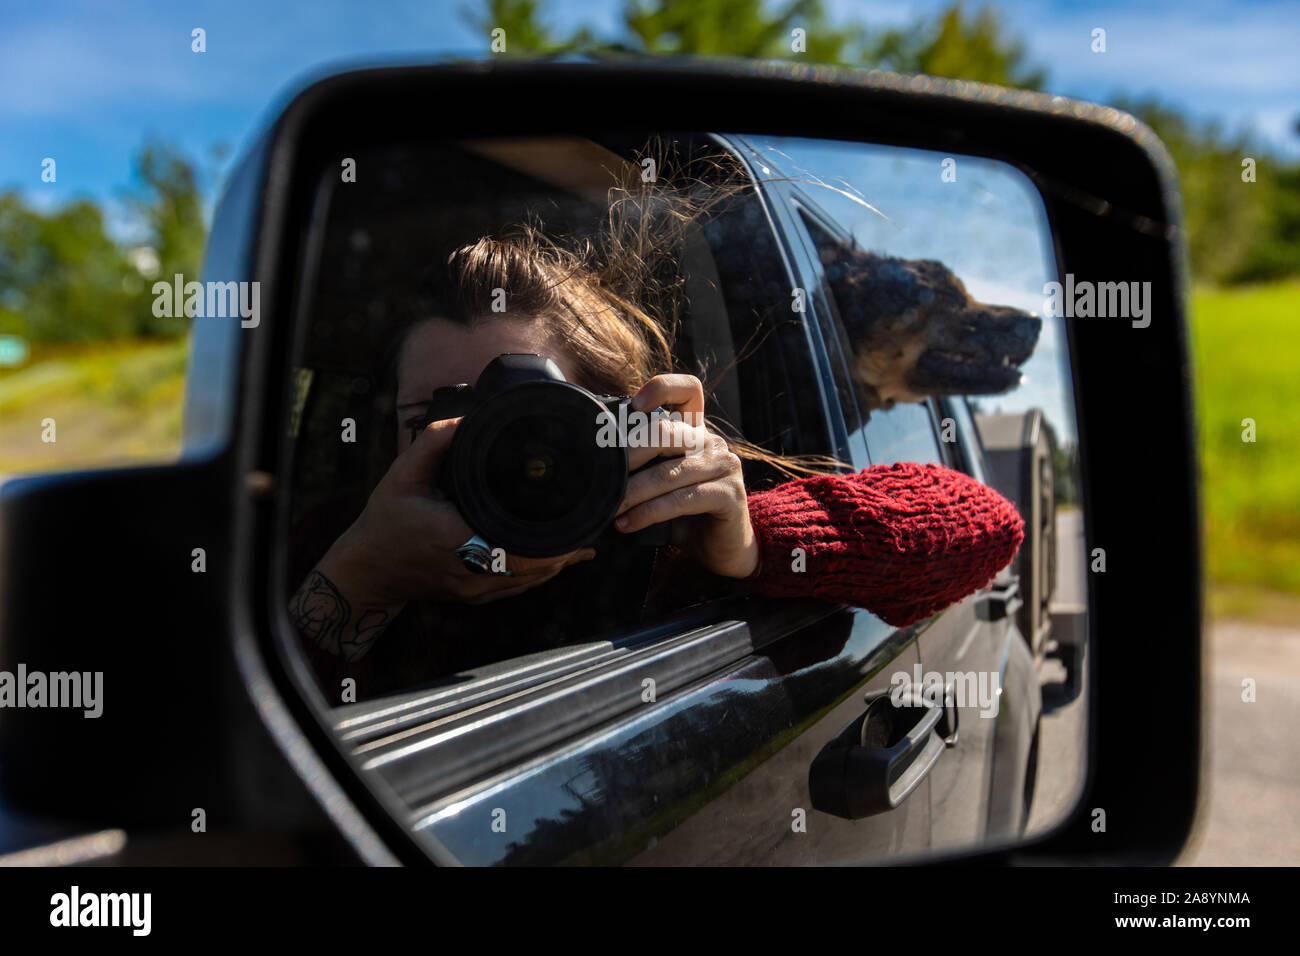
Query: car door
x=965, y=646
x=963, y=649
x=1007, y=734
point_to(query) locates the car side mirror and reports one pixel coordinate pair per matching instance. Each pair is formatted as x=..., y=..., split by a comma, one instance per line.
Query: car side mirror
x=171, y=581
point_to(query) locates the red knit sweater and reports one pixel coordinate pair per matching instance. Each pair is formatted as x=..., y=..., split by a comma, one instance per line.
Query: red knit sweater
x=903, y=541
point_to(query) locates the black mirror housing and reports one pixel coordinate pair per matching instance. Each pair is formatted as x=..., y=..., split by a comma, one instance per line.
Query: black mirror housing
x=203, y=706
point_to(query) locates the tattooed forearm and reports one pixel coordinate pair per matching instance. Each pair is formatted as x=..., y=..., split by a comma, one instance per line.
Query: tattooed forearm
x=325, y=618
x=368, y=627
x=320, y=612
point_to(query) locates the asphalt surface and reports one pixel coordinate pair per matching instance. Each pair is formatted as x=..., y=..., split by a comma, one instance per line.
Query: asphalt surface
x=1249, y=803
x=1250, y=779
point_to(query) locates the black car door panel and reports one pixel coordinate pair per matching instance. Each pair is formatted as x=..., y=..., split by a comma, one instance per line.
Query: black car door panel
x=767, y=816
x=614, y=790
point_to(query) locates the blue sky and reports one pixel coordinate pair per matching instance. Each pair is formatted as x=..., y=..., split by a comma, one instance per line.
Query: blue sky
x=86, y=82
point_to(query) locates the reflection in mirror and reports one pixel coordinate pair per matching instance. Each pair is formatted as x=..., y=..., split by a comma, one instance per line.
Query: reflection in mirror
x=689, y=498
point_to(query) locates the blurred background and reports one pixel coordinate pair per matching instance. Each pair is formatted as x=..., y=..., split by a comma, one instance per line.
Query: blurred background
x=117, y=131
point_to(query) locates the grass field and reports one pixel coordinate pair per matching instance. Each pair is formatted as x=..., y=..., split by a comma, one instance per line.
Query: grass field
x=114, y=404
x=1247, y=354
x=121, y=404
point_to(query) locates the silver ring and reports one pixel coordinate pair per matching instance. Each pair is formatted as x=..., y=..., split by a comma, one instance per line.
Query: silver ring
x=476, y=555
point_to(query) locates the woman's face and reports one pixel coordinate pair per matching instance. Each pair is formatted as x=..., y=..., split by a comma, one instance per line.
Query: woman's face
x=438, y=353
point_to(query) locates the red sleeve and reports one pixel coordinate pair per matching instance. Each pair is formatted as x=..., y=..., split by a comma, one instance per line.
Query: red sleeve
x=903, y=541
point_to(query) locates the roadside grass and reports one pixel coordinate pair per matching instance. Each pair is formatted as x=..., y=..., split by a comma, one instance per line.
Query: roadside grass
x=1250, y=603
x=113, y=404
x=1246, y=345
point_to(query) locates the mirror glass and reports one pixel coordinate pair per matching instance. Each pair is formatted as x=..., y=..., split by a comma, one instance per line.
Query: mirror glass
x=821, y=382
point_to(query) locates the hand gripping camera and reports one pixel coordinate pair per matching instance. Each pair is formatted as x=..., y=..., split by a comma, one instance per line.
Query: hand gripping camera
x=526, y=468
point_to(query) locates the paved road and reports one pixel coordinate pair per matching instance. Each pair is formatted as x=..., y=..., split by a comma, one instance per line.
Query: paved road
x=1250, y=794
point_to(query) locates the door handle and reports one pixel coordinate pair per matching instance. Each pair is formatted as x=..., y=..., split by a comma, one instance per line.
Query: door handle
x=875, y=762
x=998, y=601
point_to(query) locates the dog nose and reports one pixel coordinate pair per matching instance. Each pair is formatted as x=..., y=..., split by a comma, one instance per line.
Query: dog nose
x=1004, y=330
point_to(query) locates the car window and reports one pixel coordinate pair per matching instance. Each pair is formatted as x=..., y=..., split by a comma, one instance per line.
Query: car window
x=736, y=331
x=563, y=686
x=901, y=432
x=970, y=457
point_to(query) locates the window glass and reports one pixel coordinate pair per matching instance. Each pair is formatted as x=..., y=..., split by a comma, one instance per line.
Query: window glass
x=972, y=457
x=902, y=433
x=786, y=300
x=379, y=342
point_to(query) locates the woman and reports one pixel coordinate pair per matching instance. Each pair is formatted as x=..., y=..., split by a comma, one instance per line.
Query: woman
x=902, y=541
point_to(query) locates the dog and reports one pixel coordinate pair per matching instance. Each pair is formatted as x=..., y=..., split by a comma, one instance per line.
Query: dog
x=914, y=331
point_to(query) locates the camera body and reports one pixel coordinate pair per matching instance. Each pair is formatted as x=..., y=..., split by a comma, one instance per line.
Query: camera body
x=526, y=468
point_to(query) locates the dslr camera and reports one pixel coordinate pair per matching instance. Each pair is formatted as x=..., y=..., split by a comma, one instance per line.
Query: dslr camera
x=525, y=468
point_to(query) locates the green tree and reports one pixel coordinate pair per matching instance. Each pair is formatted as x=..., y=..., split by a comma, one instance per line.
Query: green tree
x=61, y=278
x=1237, y=231
x=1065, y=466
x=64, y=278
x=169, y=207
x=742, y=28
x=525, y=31
x=953, y=45
x=960, y=48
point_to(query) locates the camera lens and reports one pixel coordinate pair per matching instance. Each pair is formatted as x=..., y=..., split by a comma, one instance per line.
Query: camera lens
x=528, y=474
x=537, y=468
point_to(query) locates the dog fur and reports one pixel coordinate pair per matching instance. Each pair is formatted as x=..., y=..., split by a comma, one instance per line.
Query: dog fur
x=914, y=330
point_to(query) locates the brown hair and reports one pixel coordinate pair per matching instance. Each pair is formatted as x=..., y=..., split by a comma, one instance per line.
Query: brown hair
x=613, y=301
